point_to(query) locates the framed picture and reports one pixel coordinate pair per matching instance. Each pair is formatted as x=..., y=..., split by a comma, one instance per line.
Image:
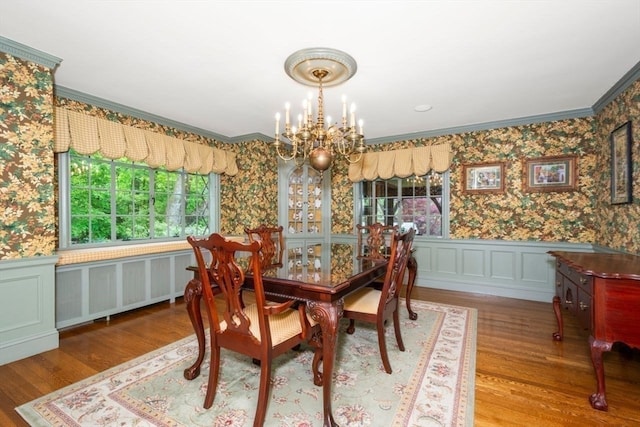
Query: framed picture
x=483, y=177
x=546, y=174
x=621, y=165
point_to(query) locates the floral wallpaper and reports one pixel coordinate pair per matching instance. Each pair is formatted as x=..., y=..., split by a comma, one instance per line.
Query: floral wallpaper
x=618, y=226
x=27, y=208
x=517, y=214
x=251, y=197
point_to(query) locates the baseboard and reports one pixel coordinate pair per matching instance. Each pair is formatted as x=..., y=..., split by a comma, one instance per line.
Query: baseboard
x=29, y=346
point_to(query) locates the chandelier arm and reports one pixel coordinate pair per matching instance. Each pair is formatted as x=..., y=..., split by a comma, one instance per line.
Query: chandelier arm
x=282, y=156
x=356, y=160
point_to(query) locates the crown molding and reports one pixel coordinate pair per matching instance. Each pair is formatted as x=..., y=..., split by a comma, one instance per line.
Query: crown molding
x=627, y=80
x=521, y=121
x=64, y=92
x=251, y=137
x=28, y=53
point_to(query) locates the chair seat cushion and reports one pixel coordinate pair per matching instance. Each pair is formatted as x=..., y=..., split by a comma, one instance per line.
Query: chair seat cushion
x=283, y=326
x=364, y=300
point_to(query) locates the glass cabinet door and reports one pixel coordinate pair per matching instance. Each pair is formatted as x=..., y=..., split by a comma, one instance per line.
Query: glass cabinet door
x=306, y=203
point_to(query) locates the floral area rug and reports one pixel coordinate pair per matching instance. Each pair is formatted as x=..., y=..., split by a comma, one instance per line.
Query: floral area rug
x=432, y=383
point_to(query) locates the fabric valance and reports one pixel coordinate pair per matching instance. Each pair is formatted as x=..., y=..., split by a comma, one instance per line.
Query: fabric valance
x=401, y=163
x=88, y=135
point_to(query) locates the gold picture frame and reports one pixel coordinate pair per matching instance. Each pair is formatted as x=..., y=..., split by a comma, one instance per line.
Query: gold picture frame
x=483, y=177
x=550, y=174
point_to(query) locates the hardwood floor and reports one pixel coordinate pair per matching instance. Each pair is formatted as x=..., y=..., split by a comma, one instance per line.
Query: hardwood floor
x=523, y=377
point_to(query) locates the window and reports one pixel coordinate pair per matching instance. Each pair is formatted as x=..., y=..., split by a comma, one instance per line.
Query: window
x=118, y=200
x=421, y=203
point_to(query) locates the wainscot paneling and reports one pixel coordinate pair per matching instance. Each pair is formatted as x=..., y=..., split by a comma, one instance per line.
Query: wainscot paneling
x=27, y=308
x=93, y=290
x=511, y=269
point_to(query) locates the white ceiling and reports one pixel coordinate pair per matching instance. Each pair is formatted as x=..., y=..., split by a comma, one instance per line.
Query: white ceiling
x=219, y=65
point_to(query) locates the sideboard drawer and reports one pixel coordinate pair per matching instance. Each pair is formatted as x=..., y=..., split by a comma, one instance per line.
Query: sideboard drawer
x=584, y=309
x=584, y=281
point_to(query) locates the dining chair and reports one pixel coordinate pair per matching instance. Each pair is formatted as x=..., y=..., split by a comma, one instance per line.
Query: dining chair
x=377, y=306
x=262, y=331
x=374, y=240
x=270, y=255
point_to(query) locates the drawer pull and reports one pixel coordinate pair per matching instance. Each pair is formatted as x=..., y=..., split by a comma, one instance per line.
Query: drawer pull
x=558, y=284
x=583, y=280
x=568, y=301
x=583, y=306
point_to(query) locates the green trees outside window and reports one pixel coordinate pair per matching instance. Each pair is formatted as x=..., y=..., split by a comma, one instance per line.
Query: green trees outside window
x=117, y=200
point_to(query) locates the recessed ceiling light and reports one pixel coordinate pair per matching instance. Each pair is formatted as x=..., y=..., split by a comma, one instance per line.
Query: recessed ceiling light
x=422, y=108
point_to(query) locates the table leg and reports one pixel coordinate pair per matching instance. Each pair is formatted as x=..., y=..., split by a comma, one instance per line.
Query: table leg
x=192, y=297
x=598, y=399
x=328, y=315
x=557, y=336
x=412, y=267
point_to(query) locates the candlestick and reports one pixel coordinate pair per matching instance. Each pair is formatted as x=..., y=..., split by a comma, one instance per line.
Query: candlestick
x=287, y=107
x=344, y=110
x=353, y=115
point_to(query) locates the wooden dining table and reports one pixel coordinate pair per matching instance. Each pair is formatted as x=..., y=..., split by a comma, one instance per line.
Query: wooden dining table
x=321, y=280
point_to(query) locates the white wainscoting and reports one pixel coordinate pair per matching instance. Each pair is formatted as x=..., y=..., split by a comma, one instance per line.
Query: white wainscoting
x=27, y=307
x=521, y=269
x=97, y=289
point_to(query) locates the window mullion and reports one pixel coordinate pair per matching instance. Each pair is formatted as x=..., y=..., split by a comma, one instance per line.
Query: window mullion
x=112, y=197
x=152, y=200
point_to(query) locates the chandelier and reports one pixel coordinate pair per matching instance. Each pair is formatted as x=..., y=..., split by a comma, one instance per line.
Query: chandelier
x=317, y=141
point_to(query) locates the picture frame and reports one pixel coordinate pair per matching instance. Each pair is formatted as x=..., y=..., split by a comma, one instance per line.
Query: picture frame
x=621, y=191
x=483, y=177
x=550, y=174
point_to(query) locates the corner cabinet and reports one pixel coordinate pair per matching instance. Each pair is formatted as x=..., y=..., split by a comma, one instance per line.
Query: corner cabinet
x=305, y=201
x=305, y=213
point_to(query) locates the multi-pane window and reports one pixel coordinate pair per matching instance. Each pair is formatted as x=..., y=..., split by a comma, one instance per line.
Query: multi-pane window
x=118, y=200
x=415, y=202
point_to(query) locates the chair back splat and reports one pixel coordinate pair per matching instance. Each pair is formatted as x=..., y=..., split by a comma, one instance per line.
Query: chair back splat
x=272, y=244
x=374, y=241
x=262, y=331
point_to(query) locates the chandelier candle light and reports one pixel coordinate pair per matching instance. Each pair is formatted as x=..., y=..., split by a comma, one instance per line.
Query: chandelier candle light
x=314, y=140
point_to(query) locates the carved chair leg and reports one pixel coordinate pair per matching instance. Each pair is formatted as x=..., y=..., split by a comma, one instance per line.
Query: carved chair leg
x=192, y=298
x=316, y=342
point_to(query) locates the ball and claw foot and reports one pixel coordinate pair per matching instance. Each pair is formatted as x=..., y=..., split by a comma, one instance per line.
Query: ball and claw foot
x=598, y=402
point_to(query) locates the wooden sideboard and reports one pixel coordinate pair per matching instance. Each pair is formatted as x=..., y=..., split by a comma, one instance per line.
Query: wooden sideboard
x=603, y=291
